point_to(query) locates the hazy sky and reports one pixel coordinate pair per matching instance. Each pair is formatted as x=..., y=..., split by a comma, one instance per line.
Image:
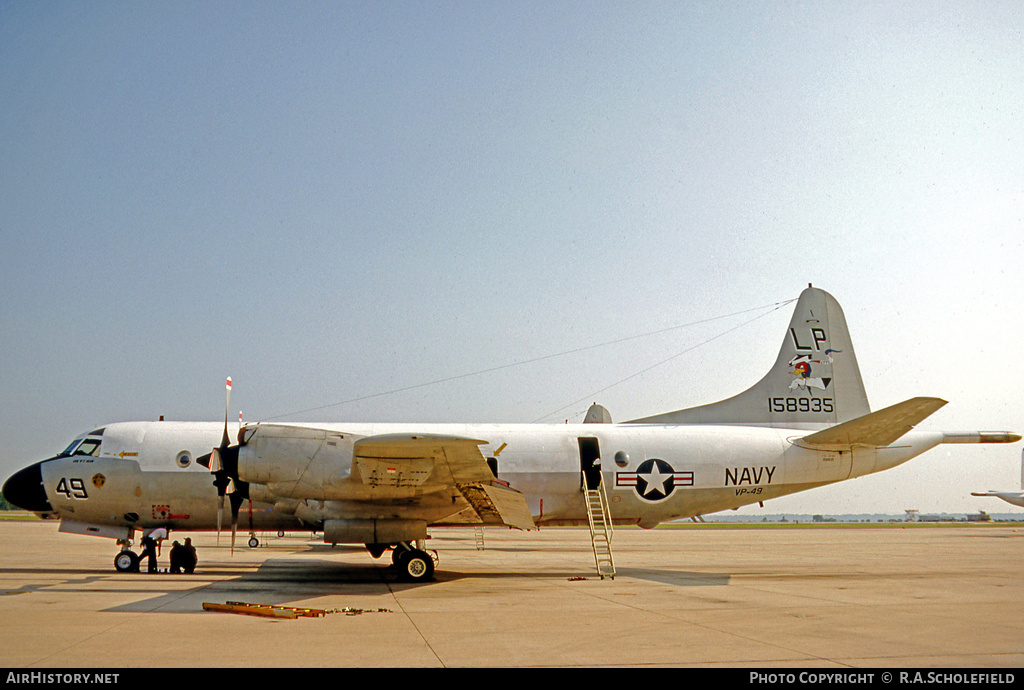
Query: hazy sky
x=328, y=201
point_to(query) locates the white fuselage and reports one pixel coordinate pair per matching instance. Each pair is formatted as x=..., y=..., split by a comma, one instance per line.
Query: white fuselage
x=144, y=474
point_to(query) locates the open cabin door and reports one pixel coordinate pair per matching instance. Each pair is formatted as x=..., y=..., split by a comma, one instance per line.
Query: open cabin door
x=590, y=465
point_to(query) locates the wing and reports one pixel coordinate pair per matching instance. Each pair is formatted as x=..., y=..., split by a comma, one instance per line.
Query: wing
x=304, y=462
x=409, y=460
x=403, y=461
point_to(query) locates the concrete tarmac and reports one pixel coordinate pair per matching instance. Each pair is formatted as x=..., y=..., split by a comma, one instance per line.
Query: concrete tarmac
x=832, y=596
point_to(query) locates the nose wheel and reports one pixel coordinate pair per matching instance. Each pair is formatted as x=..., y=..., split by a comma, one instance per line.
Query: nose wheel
x=126, y=562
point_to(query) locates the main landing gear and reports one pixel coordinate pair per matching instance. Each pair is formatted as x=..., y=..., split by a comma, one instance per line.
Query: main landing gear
x=413, y=564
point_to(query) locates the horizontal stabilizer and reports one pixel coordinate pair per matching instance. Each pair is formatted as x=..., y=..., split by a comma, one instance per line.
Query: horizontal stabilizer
x=877, y=429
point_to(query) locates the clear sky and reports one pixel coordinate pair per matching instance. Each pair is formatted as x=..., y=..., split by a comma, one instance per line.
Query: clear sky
x=332, y=200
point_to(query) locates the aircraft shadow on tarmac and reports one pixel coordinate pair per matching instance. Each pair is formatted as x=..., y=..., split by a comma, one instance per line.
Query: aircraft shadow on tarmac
x=278, y=582
x=291, y=582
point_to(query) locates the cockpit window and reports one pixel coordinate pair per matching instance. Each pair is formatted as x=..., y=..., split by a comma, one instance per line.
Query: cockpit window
x=70, y=449
x=84, y=445
x=90, y=446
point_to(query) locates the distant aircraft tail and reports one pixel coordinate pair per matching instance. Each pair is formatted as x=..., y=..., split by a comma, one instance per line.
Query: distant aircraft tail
x=814, y=383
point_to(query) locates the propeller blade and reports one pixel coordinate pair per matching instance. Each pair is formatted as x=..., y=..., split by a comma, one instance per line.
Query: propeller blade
x=224, y=439
x=215, y=464
x=229, y=461
x=239, y=492
x=220, y=516
x=223, y=463
x=237, y=496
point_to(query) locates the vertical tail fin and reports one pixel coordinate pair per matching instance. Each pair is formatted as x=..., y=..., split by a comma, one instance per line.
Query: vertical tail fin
x=815, y=381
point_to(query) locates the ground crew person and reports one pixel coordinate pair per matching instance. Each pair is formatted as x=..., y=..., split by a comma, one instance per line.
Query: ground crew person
x=188, y=556
x=177, y=556
x=149, y=551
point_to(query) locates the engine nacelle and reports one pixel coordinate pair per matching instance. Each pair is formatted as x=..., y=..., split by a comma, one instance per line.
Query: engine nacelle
x=373, y=531
x=258, y=493
x=296, y=462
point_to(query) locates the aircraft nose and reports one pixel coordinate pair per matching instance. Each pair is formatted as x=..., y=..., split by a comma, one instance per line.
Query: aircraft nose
x=25, y=490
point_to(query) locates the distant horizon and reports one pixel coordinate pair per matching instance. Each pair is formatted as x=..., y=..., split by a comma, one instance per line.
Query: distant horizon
x=719, y=517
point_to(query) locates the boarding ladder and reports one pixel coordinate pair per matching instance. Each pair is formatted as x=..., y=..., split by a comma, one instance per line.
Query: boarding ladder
x=600, y=528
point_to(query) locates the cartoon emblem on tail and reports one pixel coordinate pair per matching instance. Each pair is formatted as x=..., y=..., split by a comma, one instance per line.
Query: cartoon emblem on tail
x=802, y=370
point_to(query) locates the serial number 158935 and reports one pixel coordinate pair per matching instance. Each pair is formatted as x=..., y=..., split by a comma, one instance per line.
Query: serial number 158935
x=800, y=405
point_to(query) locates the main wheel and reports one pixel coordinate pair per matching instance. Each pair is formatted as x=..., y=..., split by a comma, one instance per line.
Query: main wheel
x=126, y=562
x=416, y=566
x=398, y=553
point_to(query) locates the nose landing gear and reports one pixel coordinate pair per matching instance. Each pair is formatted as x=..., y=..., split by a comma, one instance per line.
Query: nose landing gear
x=126, y=561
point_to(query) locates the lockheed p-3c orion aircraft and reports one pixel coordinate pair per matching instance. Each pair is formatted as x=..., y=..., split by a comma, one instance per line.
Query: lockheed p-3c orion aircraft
x=807, y=423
